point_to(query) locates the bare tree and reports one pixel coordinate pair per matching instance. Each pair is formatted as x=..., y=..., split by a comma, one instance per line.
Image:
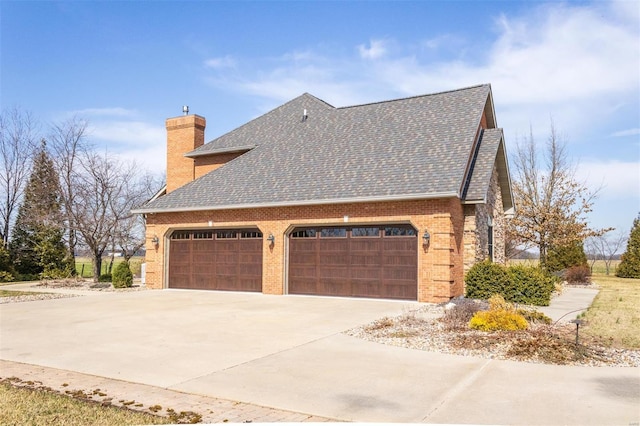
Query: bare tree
x=68, y=145
x=18, y=142
x=129, y=235
x=605, y=247
x=102, y=199
x=552, y=204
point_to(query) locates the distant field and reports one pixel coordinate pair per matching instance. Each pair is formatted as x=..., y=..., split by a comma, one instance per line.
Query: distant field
x=598, y=266
x=84, y=268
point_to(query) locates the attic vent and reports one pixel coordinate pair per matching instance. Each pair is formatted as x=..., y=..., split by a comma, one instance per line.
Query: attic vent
x=304, y=115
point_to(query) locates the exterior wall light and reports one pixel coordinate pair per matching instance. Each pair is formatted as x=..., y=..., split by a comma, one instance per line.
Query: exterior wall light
x=426, y=238
x=271, y=239
x=155, y=241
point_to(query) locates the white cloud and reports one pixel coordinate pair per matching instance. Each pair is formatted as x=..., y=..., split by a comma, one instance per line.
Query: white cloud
x=562, y=61
x=628, y=132
x=221, y=62
x=105, y=112
x=617, y=179
x=376, y=50
x=132, y=141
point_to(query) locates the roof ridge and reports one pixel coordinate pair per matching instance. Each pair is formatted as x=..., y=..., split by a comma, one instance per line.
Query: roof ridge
x=416, y=96
x=279, y=107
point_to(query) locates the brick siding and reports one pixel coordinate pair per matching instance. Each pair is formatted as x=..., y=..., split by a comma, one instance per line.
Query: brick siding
x=440, y=266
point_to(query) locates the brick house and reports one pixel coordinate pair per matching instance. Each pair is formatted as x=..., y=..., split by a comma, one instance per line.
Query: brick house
x=393, y=199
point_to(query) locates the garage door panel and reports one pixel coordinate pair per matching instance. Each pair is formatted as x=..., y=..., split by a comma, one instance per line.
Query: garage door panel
x=333, y=262
x=207, y=260
x=334, y=287
x=332, y=259
x=366, y=260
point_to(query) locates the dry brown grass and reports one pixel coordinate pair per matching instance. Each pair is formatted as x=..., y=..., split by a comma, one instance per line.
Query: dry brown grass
x=614, y=316
x=23, y=406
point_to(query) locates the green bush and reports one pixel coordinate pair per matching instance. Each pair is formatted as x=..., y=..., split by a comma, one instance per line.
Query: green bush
x=519, y=284
x=6, y=277
x=56, y=273
x=534, y=316
x=28, y=277
x=104, y=278
x=529, y=285
x=563, y=257
x=485, y=279
x=122, y=276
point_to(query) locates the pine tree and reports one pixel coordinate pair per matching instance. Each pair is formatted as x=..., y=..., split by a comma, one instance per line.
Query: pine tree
x=36, y=246
x=566, y=256
x=630, y=264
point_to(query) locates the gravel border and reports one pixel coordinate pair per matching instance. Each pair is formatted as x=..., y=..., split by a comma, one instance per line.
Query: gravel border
x=422, y=329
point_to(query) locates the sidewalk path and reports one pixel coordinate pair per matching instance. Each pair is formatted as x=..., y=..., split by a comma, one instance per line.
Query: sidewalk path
x=571, y=303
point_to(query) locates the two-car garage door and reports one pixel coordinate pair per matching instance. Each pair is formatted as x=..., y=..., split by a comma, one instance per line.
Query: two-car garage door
x=356, y=261
x=224, y=259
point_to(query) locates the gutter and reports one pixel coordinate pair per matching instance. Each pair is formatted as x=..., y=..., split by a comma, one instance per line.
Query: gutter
x=404, y=197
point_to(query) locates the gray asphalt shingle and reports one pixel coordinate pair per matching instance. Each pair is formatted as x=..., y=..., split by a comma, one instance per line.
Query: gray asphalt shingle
x=413, y=147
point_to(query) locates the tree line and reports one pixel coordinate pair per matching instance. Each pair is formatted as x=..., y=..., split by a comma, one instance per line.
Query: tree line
x=59, y=193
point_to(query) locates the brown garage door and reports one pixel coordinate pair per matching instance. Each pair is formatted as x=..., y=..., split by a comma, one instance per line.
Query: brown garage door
x=356, y=261
x=226, y=259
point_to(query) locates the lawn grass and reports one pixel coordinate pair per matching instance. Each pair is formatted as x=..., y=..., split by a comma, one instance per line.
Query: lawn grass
x=614, y=315
x=11, y=293
x=85, y=270
x=21, y=406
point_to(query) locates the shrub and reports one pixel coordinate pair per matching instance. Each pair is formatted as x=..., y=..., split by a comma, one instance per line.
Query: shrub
x=529, y=285
x=485, y=279
x=56, y=273
x=562, y=257
x=6, y=277
x=578, y=275
x=495, y=320
x=519, y=283
x=534, y=316
x=500, y=316
x=104, y=278
x=457, y=317
x=122, y=276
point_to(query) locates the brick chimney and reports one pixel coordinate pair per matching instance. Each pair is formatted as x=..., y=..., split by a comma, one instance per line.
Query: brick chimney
x=184, y=134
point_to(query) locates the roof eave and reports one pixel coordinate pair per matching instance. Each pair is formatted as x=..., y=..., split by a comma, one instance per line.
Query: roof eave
x=403, y=197
x=194, y=154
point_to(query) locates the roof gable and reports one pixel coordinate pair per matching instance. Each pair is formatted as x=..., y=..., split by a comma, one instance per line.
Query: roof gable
x=489, y=153
x=408, y=148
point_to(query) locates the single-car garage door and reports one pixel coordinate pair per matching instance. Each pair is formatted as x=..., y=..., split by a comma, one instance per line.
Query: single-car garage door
x=223, y=259
x=355, y=261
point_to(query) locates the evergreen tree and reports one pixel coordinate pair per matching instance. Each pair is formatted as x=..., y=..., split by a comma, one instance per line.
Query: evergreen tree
x=566, y=256
x=36, y=246
x=630, y=264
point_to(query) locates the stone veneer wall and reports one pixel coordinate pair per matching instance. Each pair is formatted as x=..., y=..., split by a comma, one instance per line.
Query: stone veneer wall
x=476, y=236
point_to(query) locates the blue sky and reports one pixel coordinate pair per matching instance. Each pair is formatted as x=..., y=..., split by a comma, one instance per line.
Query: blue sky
x=127, y=66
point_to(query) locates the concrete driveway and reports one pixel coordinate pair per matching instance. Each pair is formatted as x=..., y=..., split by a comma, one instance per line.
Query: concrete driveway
x=288, y=352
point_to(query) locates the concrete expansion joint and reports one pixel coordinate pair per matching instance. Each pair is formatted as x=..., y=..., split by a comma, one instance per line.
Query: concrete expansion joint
x=461, y=386
x=251, y=361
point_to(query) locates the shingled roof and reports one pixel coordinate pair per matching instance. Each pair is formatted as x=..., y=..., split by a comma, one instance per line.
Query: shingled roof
x=412, y=148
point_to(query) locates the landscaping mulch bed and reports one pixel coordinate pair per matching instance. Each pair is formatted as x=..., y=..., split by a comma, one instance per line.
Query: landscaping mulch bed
x=424, y=329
